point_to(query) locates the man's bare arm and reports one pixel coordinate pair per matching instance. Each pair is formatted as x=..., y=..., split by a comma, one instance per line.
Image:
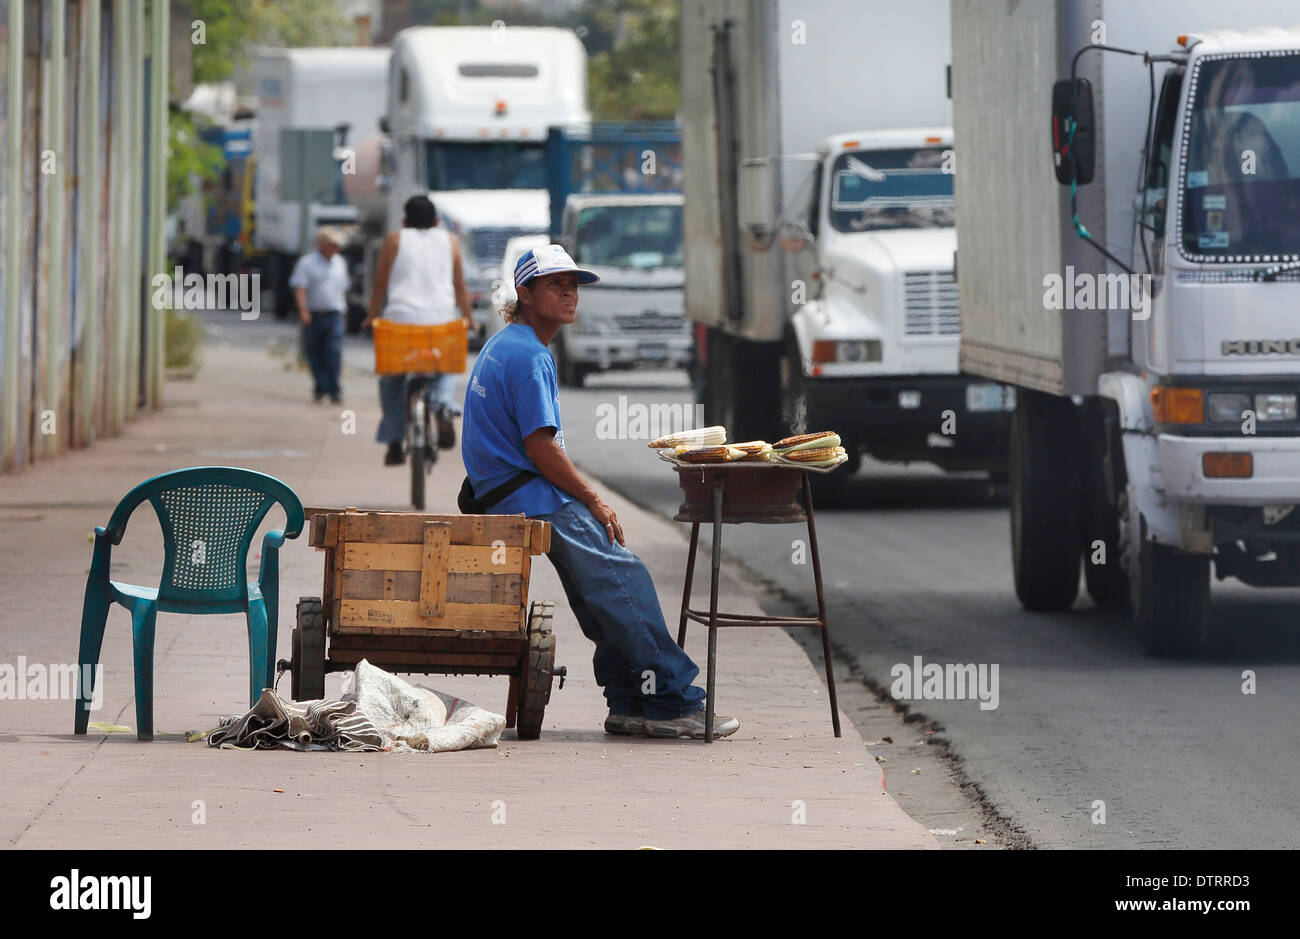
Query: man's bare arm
x=300, y=301
x=556, y=468
x=458, y=284
x=383, y=267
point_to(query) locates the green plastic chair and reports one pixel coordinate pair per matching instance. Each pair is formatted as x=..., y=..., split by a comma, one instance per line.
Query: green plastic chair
x=208, y=515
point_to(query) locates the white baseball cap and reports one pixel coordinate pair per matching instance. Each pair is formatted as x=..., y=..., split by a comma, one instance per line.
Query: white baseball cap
x=549, y=259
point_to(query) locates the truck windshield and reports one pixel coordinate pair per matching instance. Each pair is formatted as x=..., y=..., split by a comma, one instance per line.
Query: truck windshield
x=1241, y=191
x=495, y=165
x=873, y=190
x=639, y=236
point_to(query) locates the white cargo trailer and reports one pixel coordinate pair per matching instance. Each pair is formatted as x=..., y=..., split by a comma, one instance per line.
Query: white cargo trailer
x=1147, y=313
x=818, y=227
x=310, y=102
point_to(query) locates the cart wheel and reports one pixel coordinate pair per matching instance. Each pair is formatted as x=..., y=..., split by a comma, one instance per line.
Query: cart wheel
x=309, y=651
x=537, y=669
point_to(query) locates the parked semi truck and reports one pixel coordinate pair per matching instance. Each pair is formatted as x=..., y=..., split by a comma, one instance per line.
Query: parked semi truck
x=468, y=111
x=818, y=229
x=1145, y=308
x=314, y=107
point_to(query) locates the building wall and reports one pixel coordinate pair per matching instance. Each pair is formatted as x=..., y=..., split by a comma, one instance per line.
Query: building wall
x=83, y=120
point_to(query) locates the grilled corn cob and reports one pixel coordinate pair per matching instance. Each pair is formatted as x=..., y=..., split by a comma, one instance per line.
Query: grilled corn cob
x=756, y=450
x=700, y=437
x=826, y=438
x=818, y=455
x=709, y=454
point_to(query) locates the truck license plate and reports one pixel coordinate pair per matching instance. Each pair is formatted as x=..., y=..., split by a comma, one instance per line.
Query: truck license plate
x=984, y=398
x=652, y=351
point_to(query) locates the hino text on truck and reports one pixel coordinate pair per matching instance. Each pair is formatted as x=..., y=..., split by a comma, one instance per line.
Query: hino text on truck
x=819, y=232
x=1134, y=269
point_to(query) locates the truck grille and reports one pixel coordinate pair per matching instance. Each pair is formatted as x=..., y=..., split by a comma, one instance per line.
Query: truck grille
x=650, y=322
x=488, y=245
x=930, y=304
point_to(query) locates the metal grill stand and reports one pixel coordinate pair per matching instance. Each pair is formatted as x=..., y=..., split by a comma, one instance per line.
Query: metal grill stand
x=733, y=494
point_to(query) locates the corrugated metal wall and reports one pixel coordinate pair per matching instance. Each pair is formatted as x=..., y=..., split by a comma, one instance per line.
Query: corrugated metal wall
x=83, y=131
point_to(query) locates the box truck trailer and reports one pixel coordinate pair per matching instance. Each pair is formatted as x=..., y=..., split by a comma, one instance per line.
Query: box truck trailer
x=1128, y=214
x=819, y=165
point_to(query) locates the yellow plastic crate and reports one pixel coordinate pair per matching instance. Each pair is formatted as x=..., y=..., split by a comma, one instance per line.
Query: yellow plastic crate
x=411, y=347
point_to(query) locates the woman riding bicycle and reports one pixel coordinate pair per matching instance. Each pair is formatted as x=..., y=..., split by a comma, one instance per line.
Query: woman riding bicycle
x=418, y=279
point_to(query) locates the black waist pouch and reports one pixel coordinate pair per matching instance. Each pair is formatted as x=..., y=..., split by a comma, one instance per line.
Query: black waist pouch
x=469, y=505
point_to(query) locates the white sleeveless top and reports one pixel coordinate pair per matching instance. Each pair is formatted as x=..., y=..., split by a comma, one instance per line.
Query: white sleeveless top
x=420, y=286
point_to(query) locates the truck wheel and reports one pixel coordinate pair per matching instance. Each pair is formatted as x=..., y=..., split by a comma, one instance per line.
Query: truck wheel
x=794, y=390
x=536, y=671
x=1103, y=568
x=308, y=682
x=1171, y=600
x=1045, y=503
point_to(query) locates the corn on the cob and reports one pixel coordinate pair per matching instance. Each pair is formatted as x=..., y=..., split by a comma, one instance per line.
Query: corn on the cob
x=826, y=438
x=820, y=454
x=709, y=454
x=756, y=450
x=700, y=437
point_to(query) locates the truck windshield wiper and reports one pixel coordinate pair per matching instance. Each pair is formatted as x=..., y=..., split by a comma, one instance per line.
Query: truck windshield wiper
x=1272, y=273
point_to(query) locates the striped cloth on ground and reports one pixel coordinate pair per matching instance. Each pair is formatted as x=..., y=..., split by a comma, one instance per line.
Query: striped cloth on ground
x=303, y=725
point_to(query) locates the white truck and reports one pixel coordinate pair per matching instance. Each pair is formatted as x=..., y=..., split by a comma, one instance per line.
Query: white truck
x=1146, y=308
x=818, y=229
x=633, y=317
x=312, y=103
x=468, y=111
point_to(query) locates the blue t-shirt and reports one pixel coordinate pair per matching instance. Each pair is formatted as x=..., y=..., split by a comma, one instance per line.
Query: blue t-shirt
x=512, y=392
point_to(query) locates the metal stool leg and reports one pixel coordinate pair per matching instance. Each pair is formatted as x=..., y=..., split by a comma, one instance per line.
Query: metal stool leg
x=821, y=604
x=713, y=610
x=686, y=591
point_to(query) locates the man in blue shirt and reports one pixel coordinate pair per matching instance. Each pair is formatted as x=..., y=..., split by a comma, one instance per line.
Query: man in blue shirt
x=320, y=283
x=512, y=423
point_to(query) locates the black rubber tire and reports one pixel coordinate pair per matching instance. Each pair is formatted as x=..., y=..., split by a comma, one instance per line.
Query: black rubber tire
x=1045, y=501
x=308, y=682
x=417, y=457
x=1107, y=582
x=1171, y=601
x=537, y=672
x=794, y=385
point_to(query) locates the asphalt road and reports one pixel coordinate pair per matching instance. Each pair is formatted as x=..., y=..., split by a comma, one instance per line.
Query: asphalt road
x=917, y=563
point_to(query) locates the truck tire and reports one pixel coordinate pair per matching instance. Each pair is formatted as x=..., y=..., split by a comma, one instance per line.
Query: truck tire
x=744, y=387
x=1103, y=572
x=1171, y=600
x=1045, y=503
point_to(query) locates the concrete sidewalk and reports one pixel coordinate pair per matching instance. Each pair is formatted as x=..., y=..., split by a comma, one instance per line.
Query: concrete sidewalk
x=783, y=781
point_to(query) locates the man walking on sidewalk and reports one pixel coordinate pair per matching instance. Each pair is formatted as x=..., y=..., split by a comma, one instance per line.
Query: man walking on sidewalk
x=320, y=285
x=513, y=448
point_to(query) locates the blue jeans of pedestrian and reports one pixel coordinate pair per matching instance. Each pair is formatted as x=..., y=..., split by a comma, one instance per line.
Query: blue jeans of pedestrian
x=323, y=346
x=392, y=402
x=637, y=663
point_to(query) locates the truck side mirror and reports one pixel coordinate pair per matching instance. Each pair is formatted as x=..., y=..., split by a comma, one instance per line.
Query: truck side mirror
x=1074, y=151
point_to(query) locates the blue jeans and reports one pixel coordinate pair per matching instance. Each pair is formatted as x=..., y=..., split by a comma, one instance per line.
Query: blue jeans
x=323, y=346
x=637, y=662
x=392, y=401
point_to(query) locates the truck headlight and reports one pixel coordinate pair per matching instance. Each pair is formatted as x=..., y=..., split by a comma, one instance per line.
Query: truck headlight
x=1275, y=407
x=1226, y=408
x=846, y=350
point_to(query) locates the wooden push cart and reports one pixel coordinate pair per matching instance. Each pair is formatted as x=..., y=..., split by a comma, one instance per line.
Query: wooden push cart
x=438, y=594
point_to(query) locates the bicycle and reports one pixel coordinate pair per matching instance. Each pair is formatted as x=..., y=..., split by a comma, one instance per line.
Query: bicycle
x=422, y=439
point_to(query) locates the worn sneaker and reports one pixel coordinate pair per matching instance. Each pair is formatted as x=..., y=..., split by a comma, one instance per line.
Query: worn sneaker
x=446, y=432
x=393, y=457
x=628, y=724
x=692, y=725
